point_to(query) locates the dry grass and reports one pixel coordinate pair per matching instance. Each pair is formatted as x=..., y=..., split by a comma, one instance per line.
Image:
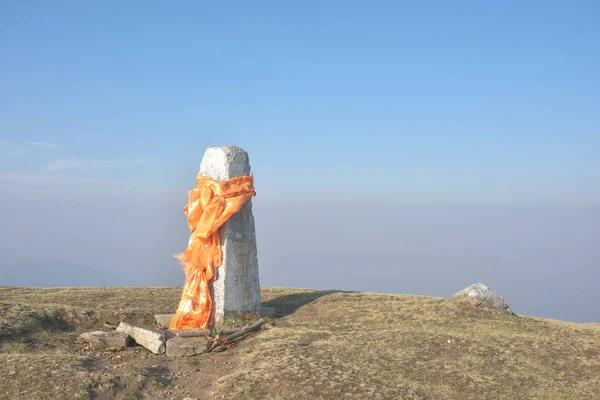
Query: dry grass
x=24, y=309
x=328, y=345
x=39, y=357
x=364, y=345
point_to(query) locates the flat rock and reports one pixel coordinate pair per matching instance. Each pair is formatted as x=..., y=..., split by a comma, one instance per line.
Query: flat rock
x=269, y=312
x=481, y=296
x=163, y=320
x=185, y=346
x=150, y=338
x=101, y=340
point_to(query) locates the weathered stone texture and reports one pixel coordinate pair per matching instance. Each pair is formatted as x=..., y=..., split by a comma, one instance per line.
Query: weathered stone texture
x=163, y=320
x=236, y=287
x=101, y=340
x=481, y=296
x=185, y=346
x=152, y=339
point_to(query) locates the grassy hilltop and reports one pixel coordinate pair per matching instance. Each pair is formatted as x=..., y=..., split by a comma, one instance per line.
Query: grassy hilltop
x=327, y=345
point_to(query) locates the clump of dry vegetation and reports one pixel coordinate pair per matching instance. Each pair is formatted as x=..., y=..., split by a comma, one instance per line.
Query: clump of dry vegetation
x=327, y=345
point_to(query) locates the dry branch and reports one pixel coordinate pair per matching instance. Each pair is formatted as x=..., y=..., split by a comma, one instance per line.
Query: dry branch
x=221, y=342
x=110, y=326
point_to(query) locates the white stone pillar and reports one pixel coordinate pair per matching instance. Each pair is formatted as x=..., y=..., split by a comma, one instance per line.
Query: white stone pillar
x=236, y=286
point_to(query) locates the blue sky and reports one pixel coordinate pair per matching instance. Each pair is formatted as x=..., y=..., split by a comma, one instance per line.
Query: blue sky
x=451, y=101
x=398, y=147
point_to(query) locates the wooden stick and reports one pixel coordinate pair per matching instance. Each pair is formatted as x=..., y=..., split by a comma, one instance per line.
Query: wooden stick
x=247, y=329
x=110, y=326
x=254, y=327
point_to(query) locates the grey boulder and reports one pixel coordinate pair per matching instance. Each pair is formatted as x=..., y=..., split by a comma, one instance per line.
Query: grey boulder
x=481, y=296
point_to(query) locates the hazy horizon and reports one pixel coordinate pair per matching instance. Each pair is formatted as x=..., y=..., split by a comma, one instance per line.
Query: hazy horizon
x=543, y=258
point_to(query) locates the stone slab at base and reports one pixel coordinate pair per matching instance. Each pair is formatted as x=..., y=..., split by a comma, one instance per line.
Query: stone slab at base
x=183, y=347
x=150, y=338
x=101, y=340
x=164, y=320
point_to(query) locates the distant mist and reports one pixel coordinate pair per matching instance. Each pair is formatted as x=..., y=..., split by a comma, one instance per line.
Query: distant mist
x=544, y=259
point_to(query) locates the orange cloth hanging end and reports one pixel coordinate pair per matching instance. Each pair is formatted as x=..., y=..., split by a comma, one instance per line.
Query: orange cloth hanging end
x=210, y=205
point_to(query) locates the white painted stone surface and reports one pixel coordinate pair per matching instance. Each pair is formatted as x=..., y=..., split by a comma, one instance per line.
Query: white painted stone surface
x=236, y=287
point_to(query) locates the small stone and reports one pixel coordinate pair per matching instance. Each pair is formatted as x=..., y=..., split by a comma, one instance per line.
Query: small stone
x=164, y=320
x=269, y=312
x=481, y=296
x=101, y=340
x=182, y=346
x=152, y=339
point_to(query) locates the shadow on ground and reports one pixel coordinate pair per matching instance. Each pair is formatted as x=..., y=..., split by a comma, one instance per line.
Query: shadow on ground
x=288, y=304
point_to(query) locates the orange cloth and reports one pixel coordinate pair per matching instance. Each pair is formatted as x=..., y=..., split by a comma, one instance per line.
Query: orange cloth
x=210, y=205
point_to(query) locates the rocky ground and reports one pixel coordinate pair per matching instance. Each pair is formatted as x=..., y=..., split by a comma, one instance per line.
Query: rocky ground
x=327, y=345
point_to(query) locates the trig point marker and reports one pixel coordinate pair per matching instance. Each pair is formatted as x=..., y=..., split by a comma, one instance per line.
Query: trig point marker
x=236, y=287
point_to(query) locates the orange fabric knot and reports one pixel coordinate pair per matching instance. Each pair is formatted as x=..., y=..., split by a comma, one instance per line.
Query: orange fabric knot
x=210, y=205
